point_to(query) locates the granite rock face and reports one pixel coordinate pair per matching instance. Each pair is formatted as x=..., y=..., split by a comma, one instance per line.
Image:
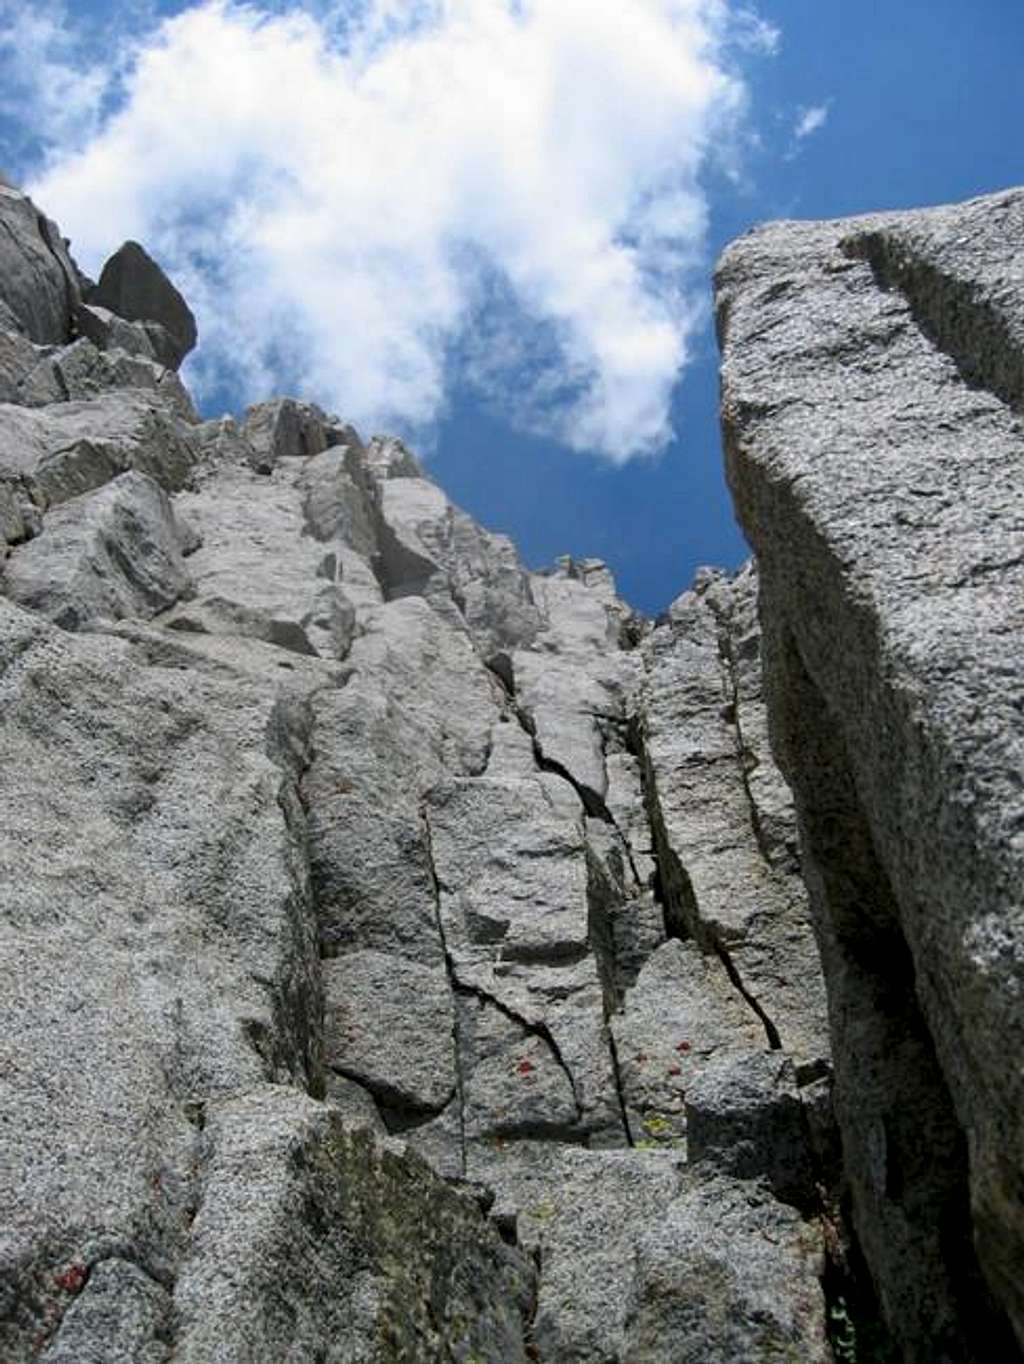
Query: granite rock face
x=872, y=390
x=404, y=954
x=408, y=956
x=40, y=284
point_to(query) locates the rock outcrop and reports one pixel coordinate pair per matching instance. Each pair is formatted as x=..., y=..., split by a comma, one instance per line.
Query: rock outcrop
x=40, y=283
x=872, y=391
x=408, y=956
x=405, y=956
x=133, y=288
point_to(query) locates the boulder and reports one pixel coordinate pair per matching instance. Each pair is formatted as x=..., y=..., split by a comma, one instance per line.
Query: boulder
x=745, y=1117
x=384, y=1018
x=429, y=548
x=727, y=1273
x=80, y=371
x=511, y=870
x=584, y=1215
x=107, y=331
x=134, y=287
x=682, y=1015
x=58, y=452
x=18, y=358
x=285, y=429
x=107, y=555
x=12, y=522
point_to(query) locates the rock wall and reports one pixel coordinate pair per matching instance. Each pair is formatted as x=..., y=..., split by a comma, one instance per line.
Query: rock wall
x=409, y=956
x=872, y=389
x=405, y=955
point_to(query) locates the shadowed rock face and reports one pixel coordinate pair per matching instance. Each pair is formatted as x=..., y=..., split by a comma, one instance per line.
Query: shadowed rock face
x=409, y=956
x=404, y=953
x=134, y=287
x=872, y=387
x=39, y=283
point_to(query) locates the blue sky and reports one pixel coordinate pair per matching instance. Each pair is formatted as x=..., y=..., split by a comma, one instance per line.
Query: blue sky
x=492, y=224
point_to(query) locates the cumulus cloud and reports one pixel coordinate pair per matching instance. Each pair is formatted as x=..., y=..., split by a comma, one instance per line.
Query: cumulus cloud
x=371, y=201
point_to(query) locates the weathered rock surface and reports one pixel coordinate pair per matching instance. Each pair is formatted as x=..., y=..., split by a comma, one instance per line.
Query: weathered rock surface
x=873, y=380
x=394, y=795
x=159, y=948
x=50, y=454
x=315, y=1241
x=409, y=956
x=134, y=287
x=726, y=1274
x=119, y=555
x=39, y=283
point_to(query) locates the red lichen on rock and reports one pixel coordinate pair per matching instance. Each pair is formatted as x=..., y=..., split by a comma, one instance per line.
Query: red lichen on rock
x=72, y=1278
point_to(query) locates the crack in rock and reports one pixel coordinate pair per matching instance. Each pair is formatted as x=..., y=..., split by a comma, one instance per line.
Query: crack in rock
x=453, y=985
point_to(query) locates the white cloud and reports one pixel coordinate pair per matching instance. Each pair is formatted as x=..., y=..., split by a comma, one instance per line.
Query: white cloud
x=348, y=194
x=809, y=120
x=40, y=75
x=755, y=33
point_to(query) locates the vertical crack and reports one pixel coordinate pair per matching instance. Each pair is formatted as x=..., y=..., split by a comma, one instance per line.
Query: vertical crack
x=453, y=983
x=297, y=1000
x=679, y=899
x=619, y=1087
x=731, y=715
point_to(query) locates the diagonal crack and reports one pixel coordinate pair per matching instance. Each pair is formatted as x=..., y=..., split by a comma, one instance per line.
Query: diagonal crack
x=538, y=1030
x=594, y=805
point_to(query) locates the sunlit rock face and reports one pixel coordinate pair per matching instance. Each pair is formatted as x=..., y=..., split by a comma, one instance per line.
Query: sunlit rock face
x=408, y=955
x=872, y=387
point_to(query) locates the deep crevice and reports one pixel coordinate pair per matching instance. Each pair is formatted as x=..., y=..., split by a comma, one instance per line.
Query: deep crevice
x=853, y=1319
x=601, y=904
x=905, y=1155
x=620, y=1092
x=297, y=1001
